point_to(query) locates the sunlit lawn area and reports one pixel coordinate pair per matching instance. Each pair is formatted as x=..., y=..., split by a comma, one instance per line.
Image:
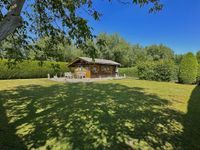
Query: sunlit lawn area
x=118, y=114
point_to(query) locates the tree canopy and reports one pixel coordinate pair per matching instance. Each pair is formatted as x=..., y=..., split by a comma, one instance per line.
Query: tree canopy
x=105, y=46
x=198, y=56
x=54, y=17
x=157, y=52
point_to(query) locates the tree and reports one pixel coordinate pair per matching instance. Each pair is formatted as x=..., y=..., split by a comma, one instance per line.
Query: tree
x=13, y=48
x=159, y=52
x=139, y=55
x=45, y=50
x=42, y=17
x=198, y=75
x=178, y=58
x=114, y=48
x=188, y=69
x=198, y=56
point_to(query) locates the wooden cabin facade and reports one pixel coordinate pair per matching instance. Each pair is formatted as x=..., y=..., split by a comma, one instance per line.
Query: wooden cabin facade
x=97, y=68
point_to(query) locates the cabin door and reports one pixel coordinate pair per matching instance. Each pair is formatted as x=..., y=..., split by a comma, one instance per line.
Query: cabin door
x=88, y=72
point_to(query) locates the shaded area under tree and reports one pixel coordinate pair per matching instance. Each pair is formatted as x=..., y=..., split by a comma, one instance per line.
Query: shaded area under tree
x=192, y=121
x=92, y=116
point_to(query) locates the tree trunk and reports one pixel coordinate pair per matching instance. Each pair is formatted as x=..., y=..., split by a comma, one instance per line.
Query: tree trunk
x=12, y=20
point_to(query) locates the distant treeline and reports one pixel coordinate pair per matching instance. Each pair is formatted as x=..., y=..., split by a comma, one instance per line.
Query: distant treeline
x=105, y=46
x=154, y=62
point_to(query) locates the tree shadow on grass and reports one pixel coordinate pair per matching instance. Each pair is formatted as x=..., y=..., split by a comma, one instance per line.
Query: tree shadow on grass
x=92, y=116
x=192, y=122
x=8, y=138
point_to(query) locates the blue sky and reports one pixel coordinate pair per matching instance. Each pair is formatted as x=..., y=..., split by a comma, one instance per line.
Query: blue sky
x=177, y=25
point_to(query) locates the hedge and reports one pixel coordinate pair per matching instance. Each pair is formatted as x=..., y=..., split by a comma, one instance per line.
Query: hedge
x=157, y=71
x=198, y=75
x=30, y=69
x=146, y=71
x=166, y=71
x=188, y=69
x=129, y=72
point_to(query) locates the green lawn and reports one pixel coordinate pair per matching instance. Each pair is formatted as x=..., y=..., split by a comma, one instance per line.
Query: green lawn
x=119, y=114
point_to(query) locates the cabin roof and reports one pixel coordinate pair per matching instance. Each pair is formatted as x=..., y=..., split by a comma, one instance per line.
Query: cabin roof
x=96, y=61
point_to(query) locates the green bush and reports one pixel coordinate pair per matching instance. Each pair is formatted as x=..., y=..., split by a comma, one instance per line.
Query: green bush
x=146, y=71
x=30, y=69
x=165, y=71
x=188, y=69
x=129, y=72
x=157, y=71
x=198, y=74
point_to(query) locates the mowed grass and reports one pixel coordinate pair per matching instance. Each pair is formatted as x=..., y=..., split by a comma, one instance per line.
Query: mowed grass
x=117, y=114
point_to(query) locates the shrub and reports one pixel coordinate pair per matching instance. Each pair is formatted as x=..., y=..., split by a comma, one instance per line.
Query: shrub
x=129, y=72
x=158, y=71
x=188, y=69
x=165, y=71
x=198, y=74
x=30, y=69
x=146, y=71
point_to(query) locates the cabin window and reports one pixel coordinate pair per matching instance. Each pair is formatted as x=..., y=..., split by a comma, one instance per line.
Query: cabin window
x=94, y=69
x=105, y=69
x=79, y=68
x=87, y=68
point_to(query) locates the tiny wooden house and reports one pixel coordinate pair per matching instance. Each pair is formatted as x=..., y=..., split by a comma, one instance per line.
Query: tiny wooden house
x=94, y=68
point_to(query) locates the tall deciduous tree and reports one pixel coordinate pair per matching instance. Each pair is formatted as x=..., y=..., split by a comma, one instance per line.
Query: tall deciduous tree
x=160, y=52
x=178, y=58
x=114, y=47
x=43, y=16
x=45, y=50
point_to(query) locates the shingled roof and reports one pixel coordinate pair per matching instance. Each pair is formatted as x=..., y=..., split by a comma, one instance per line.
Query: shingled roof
x=96, y=61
